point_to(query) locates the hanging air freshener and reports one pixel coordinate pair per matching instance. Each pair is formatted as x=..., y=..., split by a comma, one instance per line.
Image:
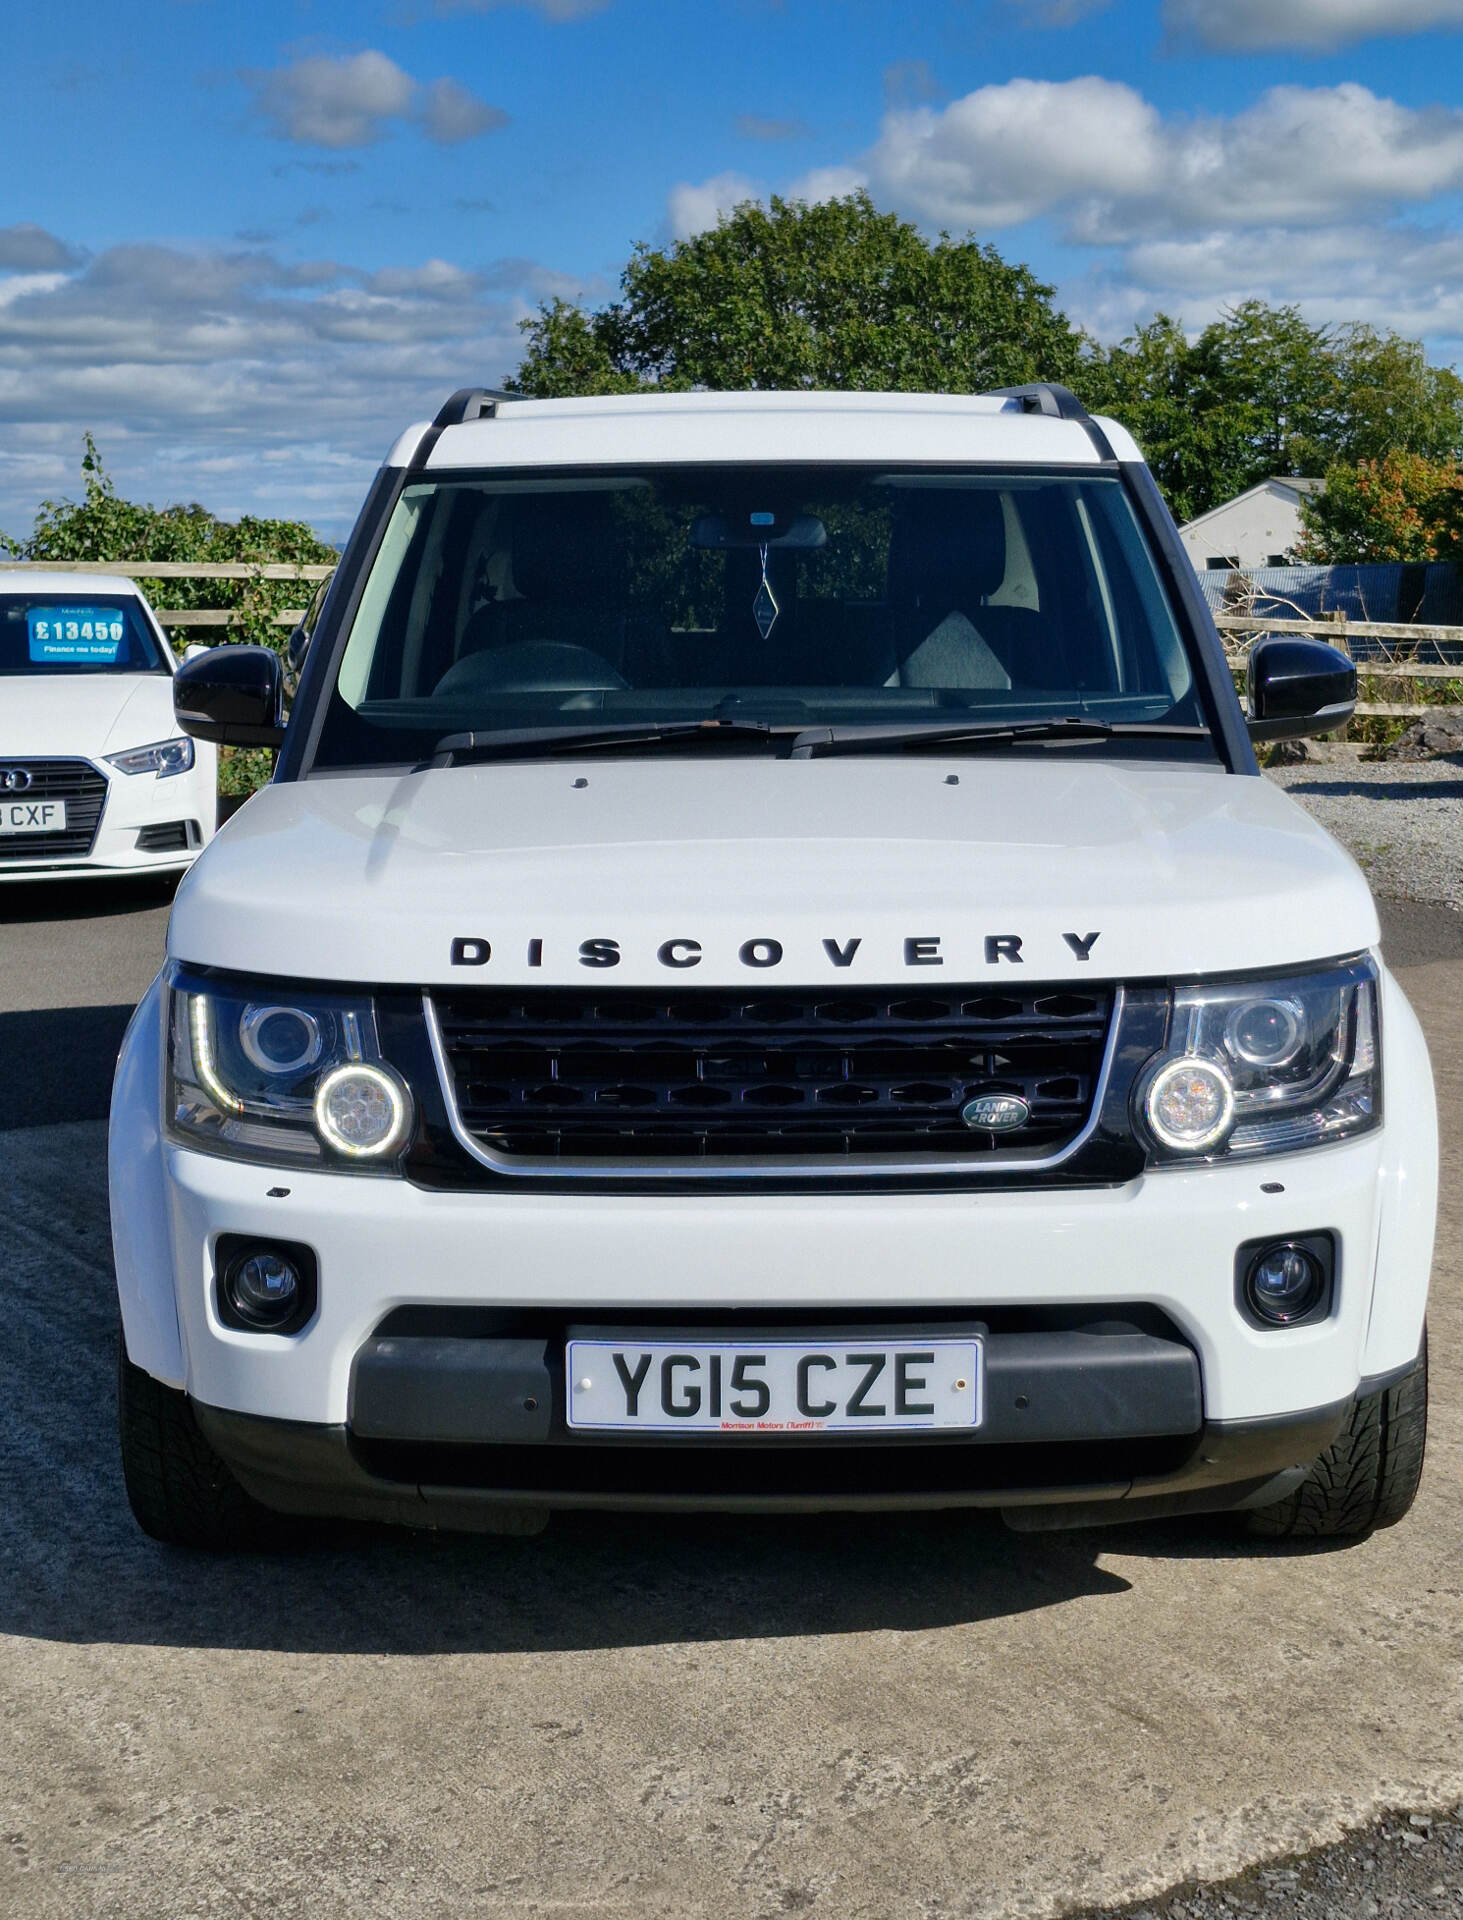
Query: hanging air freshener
x=764, y=607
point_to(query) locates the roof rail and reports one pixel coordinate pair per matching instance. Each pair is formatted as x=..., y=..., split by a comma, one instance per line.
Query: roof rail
x=471, y=403
x=1044, y=396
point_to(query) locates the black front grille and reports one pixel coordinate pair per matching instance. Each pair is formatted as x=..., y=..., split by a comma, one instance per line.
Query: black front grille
x=788, y=1075
x=76, y=782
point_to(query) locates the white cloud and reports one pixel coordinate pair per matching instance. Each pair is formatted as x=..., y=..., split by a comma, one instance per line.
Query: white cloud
x=1094, y=152
x=354, y=100
x=235, y=377
x=1388, y=276
x=692, y=208
x=1245, y=25
x=827, y=183
x=27, y=248
x=1302, y=155
x=449, y=113
x=1005, y=154
x=323, y=101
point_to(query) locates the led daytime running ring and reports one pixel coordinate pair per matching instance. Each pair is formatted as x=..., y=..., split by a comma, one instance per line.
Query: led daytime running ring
x=383, y=1082
x=1193, y=1064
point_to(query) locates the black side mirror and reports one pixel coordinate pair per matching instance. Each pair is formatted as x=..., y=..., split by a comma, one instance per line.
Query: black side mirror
x=1299, y=687
x=231, y=695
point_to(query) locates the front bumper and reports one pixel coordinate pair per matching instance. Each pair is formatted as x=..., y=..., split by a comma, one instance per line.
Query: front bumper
x=136, y=807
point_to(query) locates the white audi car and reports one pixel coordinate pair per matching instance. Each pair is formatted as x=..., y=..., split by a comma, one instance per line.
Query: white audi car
x=96, y=777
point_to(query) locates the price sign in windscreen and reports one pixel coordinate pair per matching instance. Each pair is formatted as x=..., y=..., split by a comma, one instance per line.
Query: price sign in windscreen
x=76, y=636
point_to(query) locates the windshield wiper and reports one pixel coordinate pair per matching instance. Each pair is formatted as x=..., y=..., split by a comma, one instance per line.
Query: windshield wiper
x=822, y=740
x=508, y=743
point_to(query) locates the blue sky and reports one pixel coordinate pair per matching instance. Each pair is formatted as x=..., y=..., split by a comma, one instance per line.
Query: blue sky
x=245, y=244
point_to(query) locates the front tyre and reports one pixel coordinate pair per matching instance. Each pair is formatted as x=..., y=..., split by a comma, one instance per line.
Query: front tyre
x=179, y=1490
x=1368, y=1476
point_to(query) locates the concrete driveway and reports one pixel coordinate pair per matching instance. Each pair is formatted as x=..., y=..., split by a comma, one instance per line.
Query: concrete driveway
x=902, y=1719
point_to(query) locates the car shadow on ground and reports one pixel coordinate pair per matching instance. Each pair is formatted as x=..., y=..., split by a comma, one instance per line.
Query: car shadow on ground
x=29, y=901
x=588, y=1583
x=56, y=1064
x=1379, y=789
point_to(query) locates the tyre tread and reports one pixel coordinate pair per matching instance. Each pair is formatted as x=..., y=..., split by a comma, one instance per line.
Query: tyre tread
x=1367, y=1478
x=179, y=1490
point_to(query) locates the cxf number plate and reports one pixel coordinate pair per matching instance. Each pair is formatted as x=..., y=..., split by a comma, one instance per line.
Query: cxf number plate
x=32, y=816
x=773, y=1386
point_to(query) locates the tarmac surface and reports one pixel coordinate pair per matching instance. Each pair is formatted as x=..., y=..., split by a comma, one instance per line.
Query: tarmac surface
x=898, y=1718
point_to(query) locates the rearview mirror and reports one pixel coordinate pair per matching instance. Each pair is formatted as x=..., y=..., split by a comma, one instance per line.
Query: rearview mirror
x=1299, y=687
x=719, y=531
x=233, y=696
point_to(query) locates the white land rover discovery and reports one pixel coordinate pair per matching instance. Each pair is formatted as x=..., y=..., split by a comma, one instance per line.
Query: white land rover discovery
x=766, y=978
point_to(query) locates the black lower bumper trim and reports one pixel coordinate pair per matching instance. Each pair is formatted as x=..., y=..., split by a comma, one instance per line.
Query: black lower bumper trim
x=1051, y=1385
x=317, y=1470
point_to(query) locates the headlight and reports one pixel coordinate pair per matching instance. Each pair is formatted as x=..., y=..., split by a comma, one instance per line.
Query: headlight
x=1265, y=1066
x=162, y=758
x=261, y=1072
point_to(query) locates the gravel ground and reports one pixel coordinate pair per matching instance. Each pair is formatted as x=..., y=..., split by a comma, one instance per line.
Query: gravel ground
x=1409, y=1863
x=1403, y=820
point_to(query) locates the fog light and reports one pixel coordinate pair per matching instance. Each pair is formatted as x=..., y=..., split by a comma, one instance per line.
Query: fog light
x=362, y=1111
x=1285, y=1283
x=263, y=1288
x=1189, y=1104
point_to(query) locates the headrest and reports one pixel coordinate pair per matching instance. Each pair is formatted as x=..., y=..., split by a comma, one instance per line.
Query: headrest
x=566, y=550
x=947, y=549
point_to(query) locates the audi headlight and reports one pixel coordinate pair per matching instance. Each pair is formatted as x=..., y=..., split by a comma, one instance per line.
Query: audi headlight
x=1265, y=1066
x=162, y=758
x=260, y=1071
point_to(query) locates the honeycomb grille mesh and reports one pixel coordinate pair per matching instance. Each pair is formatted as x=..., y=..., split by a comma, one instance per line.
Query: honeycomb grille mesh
x=786, y=1075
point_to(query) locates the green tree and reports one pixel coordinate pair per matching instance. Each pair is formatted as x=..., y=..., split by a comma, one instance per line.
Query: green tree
x=1401, y=507
x=1394, y=402
x=104, y=526
x=836, y=295
x=1261, y=391
x=1198, y=453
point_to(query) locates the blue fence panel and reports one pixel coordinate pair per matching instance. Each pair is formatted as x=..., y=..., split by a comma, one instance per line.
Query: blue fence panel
x=1385, y=592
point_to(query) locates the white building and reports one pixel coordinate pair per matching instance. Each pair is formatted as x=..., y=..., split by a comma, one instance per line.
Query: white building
x=1258, y=528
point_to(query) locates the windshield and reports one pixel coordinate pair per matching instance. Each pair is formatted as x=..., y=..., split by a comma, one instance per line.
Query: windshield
x=790, y=598
x=56, y=633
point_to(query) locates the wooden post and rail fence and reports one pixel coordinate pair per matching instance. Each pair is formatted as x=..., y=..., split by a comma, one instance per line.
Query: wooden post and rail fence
x=1239, y=632
x=189, y=617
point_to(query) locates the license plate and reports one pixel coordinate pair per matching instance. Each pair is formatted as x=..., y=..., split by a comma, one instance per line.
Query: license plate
x=773, y=1386
x=32, y=816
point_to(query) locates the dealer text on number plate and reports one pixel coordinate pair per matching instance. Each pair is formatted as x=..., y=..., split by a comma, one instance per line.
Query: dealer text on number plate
x=773, y=1386
x=32, y=816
